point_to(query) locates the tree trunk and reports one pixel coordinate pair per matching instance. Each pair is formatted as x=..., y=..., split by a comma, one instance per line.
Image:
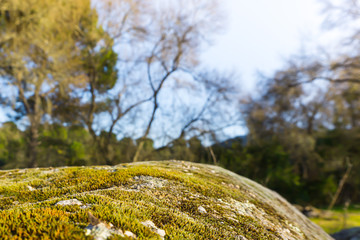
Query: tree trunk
x=138, y=151
x=33, y=146
x=341, y=184
x=213, y=155
x=105, y=151
x=142, y=139
x=35, y=121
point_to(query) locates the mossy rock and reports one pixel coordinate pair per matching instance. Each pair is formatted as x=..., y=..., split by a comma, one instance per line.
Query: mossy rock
x=186, y=200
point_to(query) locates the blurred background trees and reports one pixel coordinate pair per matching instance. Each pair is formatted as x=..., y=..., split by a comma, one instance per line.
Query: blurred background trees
x=116, y=68
x=38, y=51
x=114, y=81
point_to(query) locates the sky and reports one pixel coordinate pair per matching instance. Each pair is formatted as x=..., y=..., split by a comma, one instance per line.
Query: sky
x=261, y=34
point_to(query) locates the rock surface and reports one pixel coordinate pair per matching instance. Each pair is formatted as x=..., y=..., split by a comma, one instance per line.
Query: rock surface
x=202, y=210
x=347, y=234
x=154, y=229
x=146, y=200
x=69, y=202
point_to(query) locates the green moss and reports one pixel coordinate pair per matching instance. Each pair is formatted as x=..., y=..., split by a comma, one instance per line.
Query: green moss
x=38, y=223
x=113, y=195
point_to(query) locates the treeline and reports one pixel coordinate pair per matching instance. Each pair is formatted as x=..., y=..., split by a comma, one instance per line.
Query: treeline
x=74, y=146
x=305, y=169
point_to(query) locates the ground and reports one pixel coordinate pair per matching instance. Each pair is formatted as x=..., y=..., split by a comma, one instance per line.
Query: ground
x=338, y=219
x=148, y=200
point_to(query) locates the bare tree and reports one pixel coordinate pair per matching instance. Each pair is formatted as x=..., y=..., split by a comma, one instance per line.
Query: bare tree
x=132, y=57
x=174, y=39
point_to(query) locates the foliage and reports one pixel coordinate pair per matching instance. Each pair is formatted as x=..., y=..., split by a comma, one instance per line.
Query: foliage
x=39, y=53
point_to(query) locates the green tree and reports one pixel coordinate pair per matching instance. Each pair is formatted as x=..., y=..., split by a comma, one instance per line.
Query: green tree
x=38, y=51
x=12, y=146
x=82, y=103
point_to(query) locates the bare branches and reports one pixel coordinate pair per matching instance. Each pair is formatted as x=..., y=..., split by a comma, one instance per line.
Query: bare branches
x=115, y=65
x=312, y=80
x=340, y=12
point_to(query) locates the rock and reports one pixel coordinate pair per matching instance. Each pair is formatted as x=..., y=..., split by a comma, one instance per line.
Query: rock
x=347, y=234
x=148, y=182
x=69, y=202
x=154, y=229
x=213, y=203
x=86, y=206
x=202, y=210
x=240, y=238
x=117, y=232
x=130, y=234
x=101, y=230
x=31, y=188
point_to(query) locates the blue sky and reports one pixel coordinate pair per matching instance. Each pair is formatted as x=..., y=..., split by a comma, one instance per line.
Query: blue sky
x=262, y=34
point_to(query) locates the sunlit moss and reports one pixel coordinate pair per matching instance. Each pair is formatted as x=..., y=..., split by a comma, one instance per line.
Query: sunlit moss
x=38, y=223
x=113, y=195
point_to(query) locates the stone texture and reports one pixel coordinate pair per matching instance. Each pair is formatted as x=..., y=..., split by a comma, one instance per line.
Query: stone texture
x=347, y=234
x=101, y=230
x=69, y=202
x=148, y=182
x=154, y=229
x=130, y=234
x=184, y=199
x=202, y=210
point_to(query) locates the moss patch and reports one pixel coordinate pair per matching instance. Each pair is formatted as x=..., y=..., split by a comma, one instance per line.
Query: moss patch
x=167, y=193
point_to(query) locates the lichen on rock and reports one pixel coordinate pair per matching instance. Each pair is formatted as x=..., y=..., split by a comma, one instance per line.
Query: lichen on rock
x=145, y=200
x=69, y=202
x=154, y=229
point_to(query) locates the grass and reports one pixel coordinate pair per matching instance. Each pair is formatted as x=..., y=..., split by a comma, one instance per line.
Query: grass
x=337, y=221
x=170, y=199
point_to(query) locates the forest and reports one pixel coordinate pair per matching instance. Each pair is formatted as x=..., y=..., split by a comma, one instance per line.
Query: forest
x=106, y=82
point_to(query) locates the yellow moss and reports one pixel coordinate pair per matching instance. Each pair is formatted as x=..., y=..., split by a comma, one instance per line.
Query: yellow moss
x=113, y=195
x=38, y=223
